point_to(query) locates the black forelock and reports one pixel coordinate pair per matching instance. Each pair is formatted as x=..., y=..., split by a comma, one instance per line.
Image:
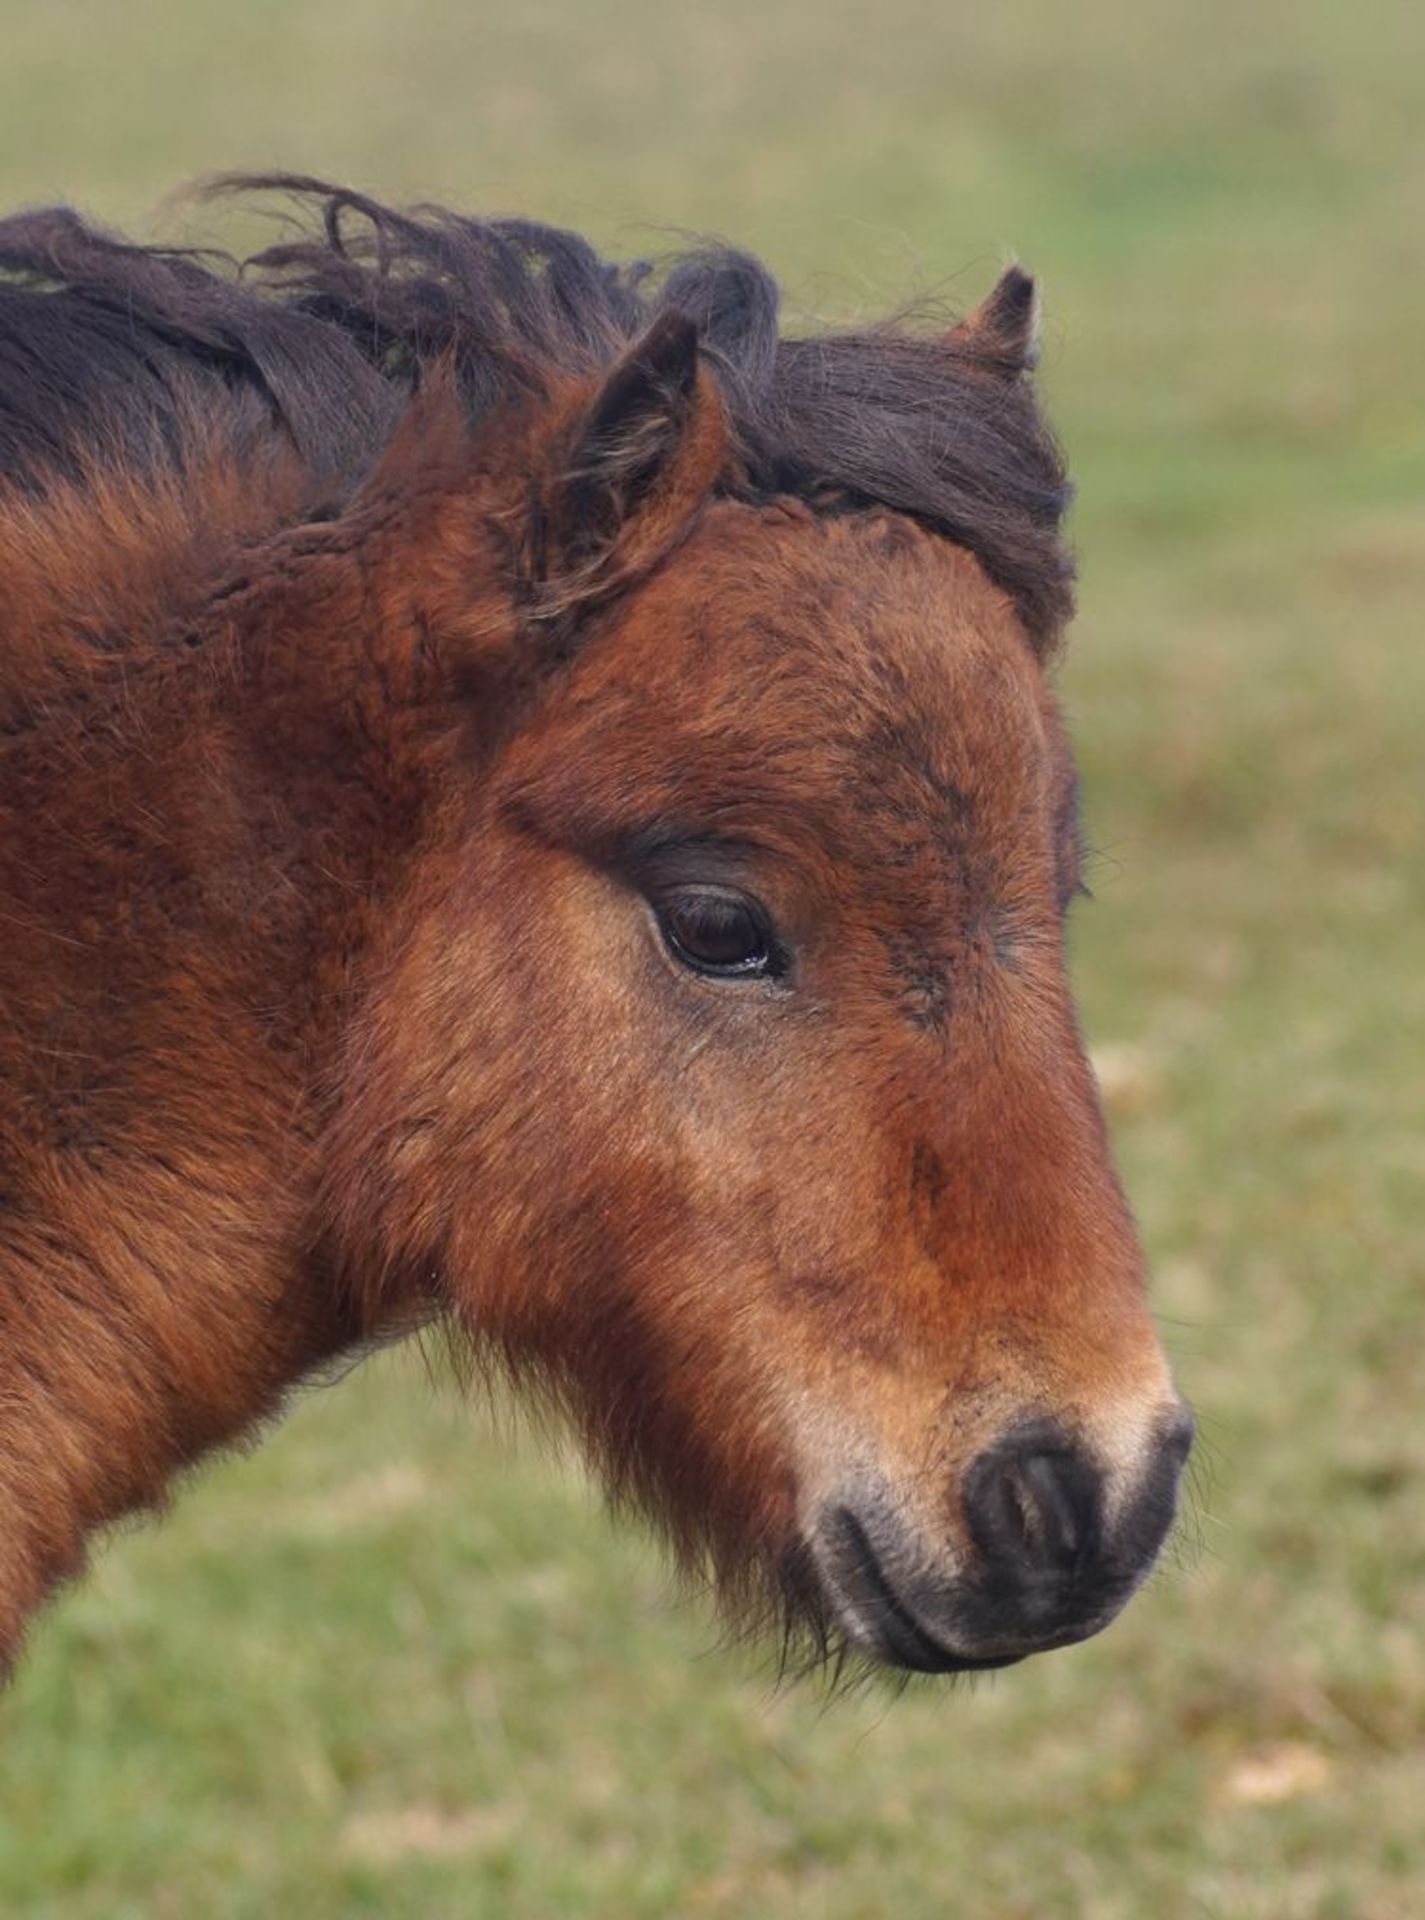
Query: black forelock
x=109, y=349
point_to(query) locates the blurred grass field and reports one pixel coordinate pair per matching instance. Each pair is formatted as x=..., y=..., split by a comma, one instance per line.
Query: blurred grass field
x=387, y=1666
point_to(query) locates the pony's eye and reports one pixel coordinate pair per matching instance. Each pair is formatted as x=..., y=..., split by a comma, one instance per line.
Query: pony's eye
x=716, y=931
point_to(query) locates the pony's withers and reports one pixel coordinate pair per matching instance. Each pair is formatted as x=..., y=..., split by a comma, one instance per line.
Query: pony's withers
x=531, y=800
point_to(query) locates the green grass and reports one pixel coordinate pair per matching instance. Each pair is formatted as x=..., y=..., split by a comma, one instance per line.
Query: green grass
x=384, y=1667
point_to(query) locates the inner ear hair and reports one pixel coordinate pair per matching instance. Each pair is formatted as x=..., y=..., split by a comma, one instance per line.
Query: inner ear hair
x=646, y=452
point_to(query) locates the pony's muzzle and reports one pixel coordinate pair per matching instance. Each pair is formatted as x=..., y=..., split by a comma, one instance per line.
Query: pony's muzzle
x=1051, y=1549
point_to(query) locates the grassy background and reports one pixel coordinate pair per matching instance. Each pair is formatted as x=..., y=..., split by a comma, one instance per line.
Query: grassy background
x=387, y=1667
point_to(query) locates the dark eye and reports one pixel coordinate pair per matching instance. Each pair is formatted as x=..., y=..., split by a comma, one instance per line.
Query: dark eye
x=716, y=931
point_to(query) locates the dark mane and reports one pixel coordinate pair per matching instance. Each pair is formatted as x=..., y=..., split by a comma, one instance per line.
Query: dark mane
x=109, y=350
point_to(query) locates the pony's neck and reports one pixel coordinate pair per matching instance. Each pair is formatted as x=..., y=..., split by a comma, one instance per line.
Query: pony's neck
x=156, y=1313
x=195, y=856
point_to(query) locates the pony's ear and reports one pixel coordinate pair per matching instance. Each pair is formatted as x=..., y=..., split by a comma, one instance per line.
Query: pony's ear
x=1002, y=333
x=644, y=454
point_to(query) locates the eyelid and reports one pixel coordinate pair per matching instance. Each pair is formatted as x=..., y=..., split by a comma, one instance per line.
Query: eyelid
x=662, y=857
x=671, y=859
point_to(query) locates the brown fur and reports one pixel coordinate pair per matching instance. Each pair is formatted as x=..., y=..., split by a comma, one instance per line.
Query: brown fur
x=330, y=1001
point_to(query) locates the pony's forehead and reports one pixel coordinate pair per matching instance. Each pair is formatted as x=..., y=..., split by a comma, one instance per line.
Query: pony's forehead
x=855, y=622
x=854, y=684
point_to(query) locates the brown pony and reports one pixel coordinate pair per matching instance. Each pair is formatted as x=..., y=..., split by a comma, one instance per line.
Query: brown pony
x=531, y=802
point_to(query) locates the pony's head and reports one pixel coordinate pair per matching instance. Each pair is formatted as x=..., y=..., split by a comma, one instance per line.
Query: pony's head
x=721, y=1074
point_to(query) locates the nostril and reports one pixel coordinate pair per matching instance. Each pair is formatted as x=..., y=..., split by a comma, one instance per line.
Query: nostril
x=1033, y=1507
x=1062, y=1513
x=1060, y=1542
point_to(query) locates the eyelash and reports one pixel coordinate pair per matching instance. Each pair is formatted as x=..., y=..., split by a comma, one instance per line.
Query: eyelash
x=1086, y=859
